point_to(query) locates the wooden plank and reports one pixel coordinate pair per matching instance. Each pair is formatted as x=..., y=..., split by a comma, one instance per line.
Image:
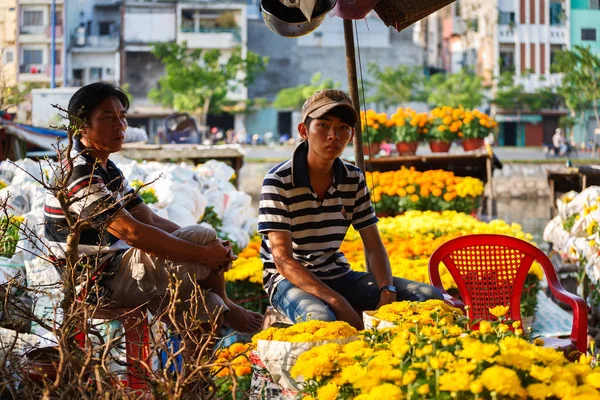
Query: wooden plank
x=179, y=151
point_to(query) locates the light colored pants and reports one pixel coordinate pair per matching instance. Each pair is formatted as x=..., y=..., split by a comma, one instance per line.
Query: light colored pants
x=144, y=278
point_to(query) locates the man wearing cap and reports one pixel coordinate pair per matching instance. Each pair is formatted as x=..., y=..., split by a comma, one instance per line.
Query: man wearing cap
x=307, y=205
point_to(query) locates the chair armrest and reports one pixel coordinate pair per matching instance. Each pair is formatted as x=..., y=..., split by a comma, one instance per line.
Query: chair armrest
x=579, y=331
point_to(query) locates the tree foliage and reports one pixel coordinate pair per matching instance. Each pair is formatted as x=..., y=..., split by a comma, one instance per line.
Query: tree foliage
x=11, y=94
x=198, y=80
x=463, y=88
x=581, y=79
x=511, y=95
x=394, y=86
x=294, y=97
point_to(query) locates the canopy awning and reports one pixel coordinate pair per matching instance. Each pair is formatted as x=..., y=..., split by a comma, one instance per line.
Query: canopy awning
x=400, y=14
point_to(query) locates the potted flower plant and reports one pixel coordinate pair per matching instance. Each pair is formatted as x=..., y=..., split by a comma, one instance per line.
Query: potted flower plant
x=376, y=128
x=446, y=122
x=409, y=126
x=476, y=126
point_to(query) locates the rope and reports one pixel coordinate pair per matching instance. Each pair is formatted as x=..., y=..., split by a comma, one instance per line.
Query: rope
x=363, y=102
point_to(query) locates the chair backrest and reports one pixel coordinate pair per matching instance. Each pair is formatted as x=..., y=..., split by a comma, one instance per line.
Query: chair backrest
x=489, y=270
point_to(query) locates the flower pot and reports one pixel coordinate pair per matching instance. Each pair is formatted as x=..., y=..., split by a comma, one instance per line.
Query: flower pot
x=371, y=150
x=437, y=146
x=407, y=148
x=472, y=144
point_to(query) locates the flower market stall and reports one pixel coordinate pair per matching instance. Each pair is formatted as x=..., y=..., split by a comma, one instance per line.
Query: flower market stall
x=425, y=351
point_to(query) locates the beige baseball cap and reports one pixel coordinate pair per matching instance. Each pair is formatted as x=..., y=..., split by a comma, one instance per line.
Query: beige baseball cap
x=326, y=100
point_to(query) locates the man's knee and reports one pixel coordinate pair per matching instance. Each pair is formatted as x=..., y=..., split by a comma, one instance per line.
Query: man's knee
x=318, y=313
x=428, y=292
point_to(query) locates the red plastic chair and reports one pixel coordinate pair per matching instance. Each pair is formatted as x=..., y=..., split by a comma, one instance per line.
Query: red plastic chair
x=490, y=270
x=137, y=341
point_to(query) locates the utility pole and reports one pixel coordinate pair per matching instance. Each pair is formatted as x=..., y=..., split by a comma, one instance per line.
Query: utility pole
x=53, y=46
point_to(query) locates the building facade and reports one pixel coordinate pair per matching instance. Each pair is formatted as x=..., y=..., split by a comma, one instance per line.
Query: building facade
x=9, y=61
x=585, y=31
x=93, y=39
x=40, y=62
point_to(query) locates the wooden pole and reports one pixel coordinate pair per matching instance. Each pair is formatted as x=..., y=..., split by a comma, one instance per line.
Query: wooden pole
x=353, y=89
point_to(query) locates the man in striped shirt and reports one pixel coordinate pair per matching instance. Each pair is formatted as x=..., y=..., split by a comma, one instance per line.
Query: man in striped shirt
x=136, y=250
x=307, y=205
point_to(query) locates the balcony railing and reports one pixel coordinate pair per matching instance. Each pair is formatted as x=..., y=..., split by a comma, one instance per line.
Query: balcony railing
x=234, y=31
x=43, y=30
x=109, y=41
x=40, y=69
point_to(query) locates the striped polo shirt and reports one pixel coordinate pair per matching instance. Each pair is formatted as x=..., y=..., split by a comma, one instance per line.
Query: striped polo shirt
x=289, y=203
x=92, y=189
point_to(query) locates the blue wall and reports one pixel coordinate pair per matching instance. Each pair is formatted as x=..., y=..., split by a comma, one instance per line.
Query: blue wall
x=585, y=19
x=262, y=121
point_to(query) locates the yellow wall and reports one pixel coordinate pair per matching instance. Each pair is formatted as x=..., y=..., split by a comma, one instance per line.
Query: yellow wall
x=8, y=35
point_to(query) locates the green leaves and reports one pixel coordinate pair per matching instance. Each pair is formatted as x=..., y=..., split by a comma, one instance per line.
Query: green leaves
x=459, y=89
x=294, y=97
x=581, y=78
x=196, y=77
x=395, y=86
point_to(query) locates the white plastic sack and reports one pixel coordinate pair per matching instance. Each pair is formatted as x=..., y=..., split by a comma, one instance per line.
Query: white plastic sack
x=19, y=202
x=27, y=171
x=216, y=169
x=218, y=200
x=180, y=215
x=10, y=269
x=279, y=358
x=237, y=210
x=370, y=321
x=133, y=135
x=238, y=235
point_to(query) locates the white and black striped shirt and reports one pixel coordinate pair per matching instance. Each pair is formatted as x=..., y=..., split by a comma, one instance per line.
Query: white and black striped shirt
x=93, y=188
x=288, y=203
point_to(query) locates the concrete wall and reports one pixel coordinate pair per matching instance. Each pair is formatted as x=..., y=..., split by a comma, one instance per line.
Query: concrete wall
x=42, y=112
x=148, y=23
x=109, y=62
x=142, y=71
x=585, y=19
x=293, y=61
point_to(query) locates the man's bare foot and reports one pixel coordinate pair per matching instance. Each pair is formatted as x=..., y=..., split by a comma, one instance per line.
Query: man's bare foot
x=242, y=320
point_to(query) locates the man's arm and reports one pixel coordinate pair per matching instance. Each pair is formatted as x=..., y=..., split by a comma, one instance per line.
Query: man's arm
x=379, y=261
x=153, y=240
x=144, y=214
x=302, y=278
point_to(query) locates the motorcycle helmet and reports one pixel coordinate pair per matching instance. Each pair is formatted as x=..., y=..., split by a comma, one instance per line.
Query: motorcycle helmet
x=290, y=22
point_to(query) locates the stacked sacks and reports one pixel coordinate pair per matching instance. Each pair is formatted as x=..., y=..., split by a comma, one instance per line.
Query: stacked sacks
x=183, y=191
x=575, y=231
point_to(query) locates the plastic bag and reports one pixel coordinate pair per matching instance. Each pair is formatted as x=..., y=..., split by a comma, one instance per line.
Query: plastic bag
x=279, y=358
x=216, y=169
x=354, y=9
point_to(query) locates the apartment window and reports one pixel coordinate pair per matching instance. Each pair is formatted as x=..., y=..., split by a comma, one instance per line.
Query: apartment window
x=58, y=16
x=507, y=61
x=57, y=54
x=78, y=77
x=33, y=18
x=104, y=28
x=557, y=14
x=588, y=34
x=33, y=57
x=95, y=74
x=506, y=18
x=594, y=4
x=9, y=56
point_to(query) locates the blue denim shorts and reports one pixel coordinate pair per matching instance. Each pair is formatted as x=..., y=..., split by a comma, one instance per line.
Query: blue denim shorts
x=358, y=288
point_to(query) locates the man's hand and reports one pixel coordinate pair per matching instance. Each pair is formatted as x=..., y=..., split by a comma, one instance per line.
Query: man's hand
x=344, y=312
x=386, y=298
x=218, y=255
